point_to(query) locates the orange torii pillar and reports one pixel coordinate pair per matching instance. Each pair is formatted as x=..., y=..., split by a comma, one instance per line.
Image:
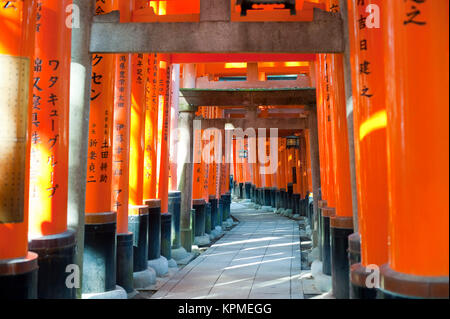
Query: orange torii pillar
x=140, y=216
x=341, y=225
x=274, y=178
x=309, y=188
x=174, y=196
x=174, y=95
x=150, y=173
x=309, y=197
x=234, y=162
x=48, y=235
x=293, y=172
x=224, y=176
x=321, y=135
x=258, y=182
x=267, y=189
x=164, y=80
x=198, y=199
x=303, y=179
x=328, y=208
x=99, y=259
x=418, y=148
x=18, y=266
x=282, y=184
x=206, y=174
x=239, y=155
x=151, y=129
x=121, y=155
x=212, y=160
x=246, y=171
x=369, y=113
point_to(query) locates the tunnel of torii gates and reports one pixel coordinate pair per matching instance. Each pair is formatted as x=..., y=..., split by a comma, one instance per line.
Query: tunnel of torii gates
x=337, y=110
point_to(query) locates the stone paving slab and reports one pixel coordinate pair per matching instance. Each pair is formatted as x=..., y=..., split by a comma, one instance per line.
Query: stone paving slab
x=257, y=259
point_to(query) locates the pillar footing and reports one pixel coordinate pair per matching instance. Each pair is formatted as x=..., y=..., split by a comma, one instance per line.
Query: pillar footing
x=143, y=279
x=138, y=225
x=160, y=266
x=154, y=228
x=358, y=285
x=124, y=275
x=117, y=293
x=19, y=278
x=55, y=252
x=99, y=258
x=396, y=285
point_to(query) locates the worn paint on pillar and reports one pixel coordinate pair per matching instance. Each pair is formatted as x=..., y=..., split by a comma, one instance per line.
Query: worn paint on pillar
x=16, y=54
x=164, y=136
x=369, y=113
x=418, y=142
x=99, y=170
x=151, y=129
x=49, y=121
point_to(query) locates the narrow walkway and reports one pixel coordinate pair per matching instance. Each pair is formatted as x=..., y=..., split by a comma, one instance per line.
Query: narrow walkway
x=257, y=259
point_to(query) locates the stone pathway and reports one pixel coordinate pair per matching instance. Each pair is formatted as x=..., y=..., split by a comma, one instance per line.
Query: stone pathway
x=257, y=259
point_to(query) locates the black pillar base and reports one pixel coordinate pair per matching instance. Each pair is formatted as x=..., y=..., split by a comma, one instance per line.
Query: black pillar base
x=295, y=204
x=19, y=278
x=247, y=189
x=99, y=258
x=208, y=218
x=124, y=274
x=267, y=199
x=254, y=193
x=241, y=190
x=138, y=225
x=166, y=235
x=154, y=228
x=289, y=198
x=192, y=226
x=55, y=253
x=396, y=285
x=310, y=214
x=226, y=201
x=214, y=206
x=340, y=229
x=282, y=198
x=174, y=204
x=200, y=216
x=278, y=199
x=273, y=193
x=258, y=196
x=220, y=211
x=327, y=213
x=304, y=203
